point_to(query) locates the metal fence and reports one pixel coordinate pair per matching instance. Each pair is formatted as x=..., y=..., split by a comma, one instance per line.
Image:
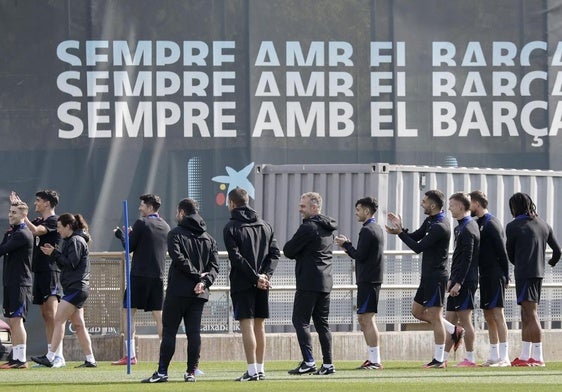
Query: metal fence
x=402, y=274
x=398, y=188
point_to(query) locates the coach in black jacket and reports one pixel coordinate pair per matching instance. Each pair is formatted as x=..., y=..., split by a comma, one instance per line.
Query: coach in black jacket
x=193, y=270
x=253, y=254
x=311, y=247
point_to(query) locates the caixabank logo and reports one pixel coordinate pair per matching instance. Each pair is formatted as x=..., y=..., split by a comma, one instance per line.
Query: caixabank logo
x=232, y=180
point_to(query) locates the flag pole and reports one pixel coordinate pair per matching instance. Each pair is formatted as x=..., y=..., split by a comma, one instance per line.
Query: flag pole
x=128, y=282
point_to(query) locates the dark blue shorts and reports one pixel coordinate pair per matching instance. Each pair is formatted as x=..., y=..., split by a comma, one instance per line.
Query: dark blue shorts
x=45, y=285
x=431, y=292
x=146, y=293
x=492, y=292
x=250, y=304
x=368, y=297
x=16, y=301
x=465, y=299
x=528, y=290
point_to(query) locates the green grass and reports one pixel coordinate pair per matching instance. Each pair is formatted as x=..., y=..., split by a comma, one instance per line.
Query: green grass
x=219, y=376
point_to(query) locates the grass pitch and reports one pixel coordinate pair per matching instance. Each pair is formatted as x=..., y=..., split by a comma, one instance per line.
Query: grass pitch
x=219, y=376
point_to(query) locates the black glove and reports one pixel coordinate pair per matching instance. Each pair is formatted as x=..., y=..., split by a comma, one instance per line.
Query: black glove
x=118, y=233
x=552, y=262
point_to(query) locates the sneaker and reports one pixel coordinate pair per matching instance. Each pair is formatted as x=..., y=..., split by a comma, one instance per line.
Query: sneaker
x=519, y=362
x=435, y=364
x=536, y=362
x=368, y=365
x=501, y=363
x=489, y=363
x=325, y=370
x=59, y=362
x=189, y=377
x=87, y=364
x=261, y=376
x=303, y=368
x=155, y=378
x=247, y=377
x=123, y=361
x=465, y=363
x=42, y=360
x=456, y=337
x=14, y=364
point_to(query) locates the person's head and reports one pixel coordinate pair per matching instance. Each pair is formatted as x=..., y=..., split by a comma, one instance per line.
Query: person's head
x=365, y=208
x=46, y=200
x=149, y=204
x=433, y=202
x=69, y=223
x=521, y=203
x=238, y=197
x=310, y=204
x=187, y=207
x=18, y=212
x=459, y=205
x=478, y=203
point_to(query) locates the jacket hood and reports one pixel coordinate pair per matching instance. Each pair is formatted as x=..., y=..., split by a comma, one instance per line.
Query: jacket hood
x=324, y=221
x=244, y=214
x=194, y=223
x=82, y=234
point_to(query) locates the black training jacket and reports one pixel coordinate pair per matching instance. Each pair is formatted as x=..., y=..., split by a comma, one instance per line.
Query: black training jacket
x=432, y=238
x=311, y=247
x=464, y=266
x=148, y=242
x=526, y=245
x=72, y=259
x=252, y=248
x=194, y=257
x=492, y=257
x=17, y=249
x=369, y=253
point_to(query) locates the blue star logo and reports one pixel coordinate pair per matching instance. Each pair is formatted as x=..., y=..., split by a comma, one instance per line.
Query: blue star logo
x=237, y=179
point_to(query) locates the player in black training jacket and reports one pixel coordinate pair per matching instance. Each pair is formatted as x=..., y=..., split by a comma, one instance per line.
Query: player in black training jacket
x=527, y=236
x=493, y=268
x=432, y=238
x=369, y=269
x=463, y=281
x=253, y=254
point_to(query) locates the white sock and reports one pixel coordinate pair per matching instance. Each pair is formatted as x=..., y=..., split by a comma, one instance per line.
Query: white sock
x=51, y=356
x=133, y=353
x=327, y=365
x=90, y=358
x=448, y=326
x=537, y=352
x=260, y=368
x=58, y=351
x=252, y=369
x=310, y=363
x=23, y=349
x=48, y=347
x=439, y=352
x=494, y=353
x=471, y=356
x=525, y=351
x=503, y=351
x=374, y=354
x=16, y=353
